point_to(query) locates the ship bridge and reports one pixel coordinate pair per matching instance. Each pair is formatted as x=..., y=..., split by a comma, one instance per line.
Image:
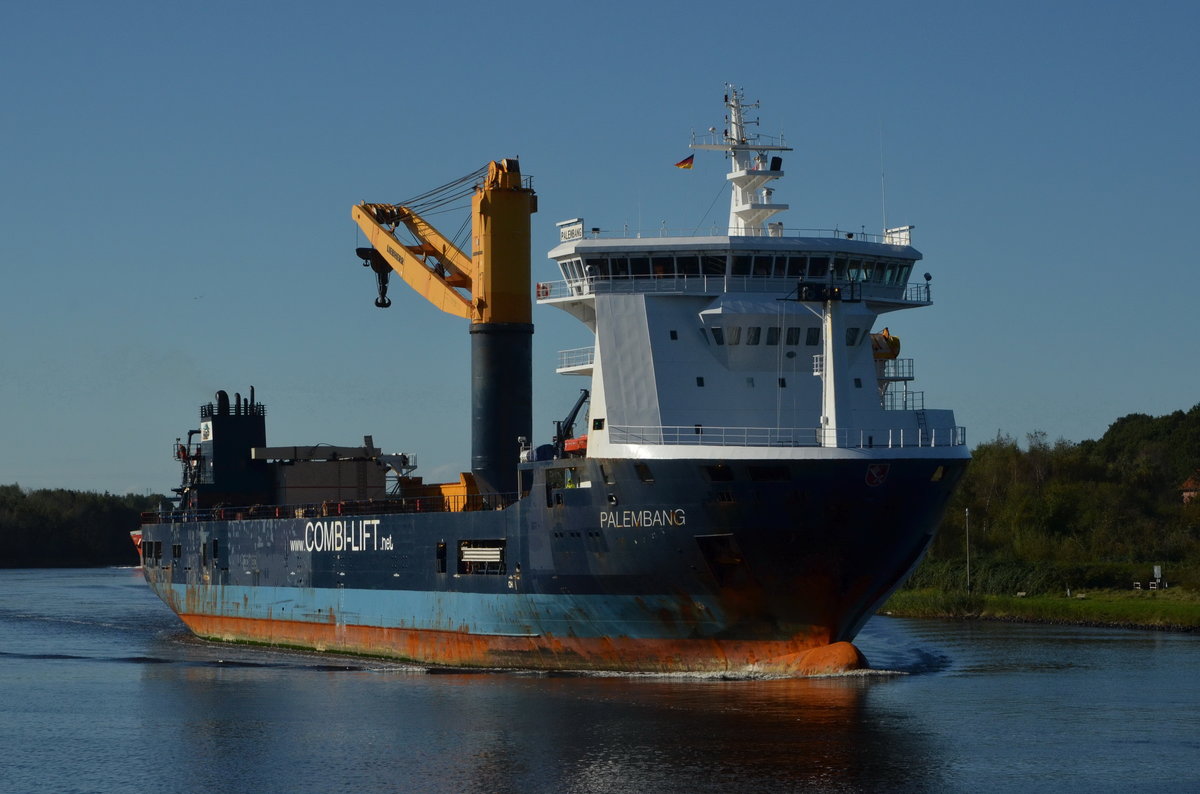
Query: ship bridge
x=758, y=341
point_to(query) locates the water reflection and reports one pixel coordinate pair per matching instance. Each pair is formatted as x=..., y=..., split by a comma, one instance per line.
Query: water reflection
x=510, y=732
x=141, y=706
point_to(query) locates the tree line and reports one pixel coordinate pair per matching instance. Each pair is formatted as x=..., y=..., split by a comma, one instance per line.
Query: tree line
x=1045, y=516
x=55, y=528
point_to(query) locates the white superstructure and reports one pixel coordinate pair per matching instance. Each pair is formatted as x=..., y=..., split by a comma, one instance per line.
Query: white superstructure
x=753, y=344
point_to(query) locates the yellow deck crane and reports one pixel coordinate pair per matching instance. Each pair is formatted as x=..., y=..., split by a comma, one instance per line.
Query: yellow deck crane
x=491, y=288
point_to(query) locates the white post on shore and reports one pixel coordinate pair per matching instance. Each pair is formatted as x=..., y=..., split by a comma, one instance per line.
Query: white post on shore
x=967, y=514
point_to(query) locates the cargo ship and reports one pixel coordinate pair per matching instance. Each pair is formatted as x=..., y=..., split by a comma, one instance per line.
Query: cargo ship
x=745, y=476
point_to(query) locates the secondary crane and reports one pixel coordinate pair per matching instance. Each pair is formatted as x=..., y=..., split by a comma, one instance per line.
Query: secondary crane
x=491, y=288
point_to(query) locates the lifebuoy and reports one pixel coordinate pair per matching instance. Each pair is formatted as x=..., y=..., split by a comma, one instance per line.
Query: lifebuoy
x=543, y=290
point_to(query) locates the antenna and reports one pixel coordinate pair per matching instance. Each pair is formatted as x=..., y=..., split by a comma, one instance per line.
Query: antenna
x=882, y=180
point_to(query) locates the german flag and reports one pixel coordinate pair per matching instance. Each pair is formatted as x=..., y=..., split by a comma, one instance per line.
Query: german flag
x=686, y=162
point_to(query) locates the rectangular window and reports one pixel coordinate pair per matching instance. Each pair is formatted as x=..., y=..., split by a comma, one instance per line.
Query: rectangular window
x=688, y=265
x=735, y=335
x=813, y=337
x=752, y=335
x=481, y=557
x=714, y=265
x=818, y=266
x=663, y=266
x=741, y=265
x=783, y=383
x=598, y=423
x=440, y=558
x=674, y=335
x=851, y=336
x=795, y=266
x=176, y=550
x=762, y=265
x=596, y=267
x=639, y=265
x=773, y=335
x=700, y=382
x=619, y=266
x=718, y=334
x=793, y=335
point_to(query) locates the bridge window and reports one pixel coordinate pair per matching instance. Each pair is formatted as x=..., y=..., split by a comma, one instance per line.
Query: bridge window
x=718, y=334
x=795, y=266
x=793, y=335
x=639, y=265
x=741, y=265
x=773, y=335
x=818, y=266
x=597, y=267
x=851, y=336
x=735, y=335
x=620, y=266
x=688, y=265
x=714, y=265
x=663, y=266
x=762, y=265
x=752, y=335
x=813, y=337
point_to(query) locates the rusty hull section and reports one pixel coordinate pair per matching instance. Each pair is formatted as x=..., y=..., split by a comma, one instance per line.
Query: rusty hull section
x=801, y=655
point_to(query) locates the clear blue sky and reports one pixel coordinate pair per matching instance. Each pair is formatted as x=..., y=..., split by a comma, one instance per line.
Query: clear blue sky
x=177, y=182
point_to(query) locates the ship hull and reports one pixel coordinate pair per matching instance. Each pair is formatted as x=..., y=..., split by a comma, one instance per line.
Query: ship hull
x=685, y=566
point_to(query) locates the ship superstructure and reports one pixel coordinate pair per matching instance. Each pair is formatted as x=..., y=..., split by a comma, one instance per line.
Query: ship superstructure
x=751, y=478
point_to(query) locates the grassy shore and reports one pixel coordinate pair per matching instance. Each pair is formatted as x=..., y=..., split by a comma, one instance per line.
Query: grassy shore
x=1175, y=609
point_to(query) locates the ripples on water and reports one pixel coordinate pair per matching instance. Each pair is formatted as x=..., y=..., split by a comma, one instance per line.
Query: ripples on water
x=101, y=689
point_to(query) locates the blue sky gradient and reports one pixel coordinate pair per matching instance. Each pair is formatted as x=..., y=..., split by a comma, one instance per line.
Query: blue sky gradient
x=178, y=181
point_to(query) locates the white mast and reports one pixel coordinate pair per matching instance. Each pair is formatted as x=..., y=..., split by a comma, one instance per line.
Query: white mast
x=751, y=202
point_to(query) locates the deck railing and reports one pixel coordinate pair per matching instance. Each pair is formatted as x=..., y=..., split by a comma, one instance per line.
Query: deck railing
x=915, y=294
x=338, y=509
x=846, y=438
x=577, y=357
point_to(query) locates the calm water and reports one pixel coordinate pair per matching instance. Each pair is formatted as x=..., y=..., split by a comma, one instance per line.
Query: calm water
x=102, y=691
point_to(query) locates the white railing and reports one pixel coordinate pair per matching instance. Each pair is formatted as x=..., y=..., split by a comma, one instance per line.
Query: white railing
x=915, y=294
x=723, y=231
x=576, y=357
x=845, y=438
